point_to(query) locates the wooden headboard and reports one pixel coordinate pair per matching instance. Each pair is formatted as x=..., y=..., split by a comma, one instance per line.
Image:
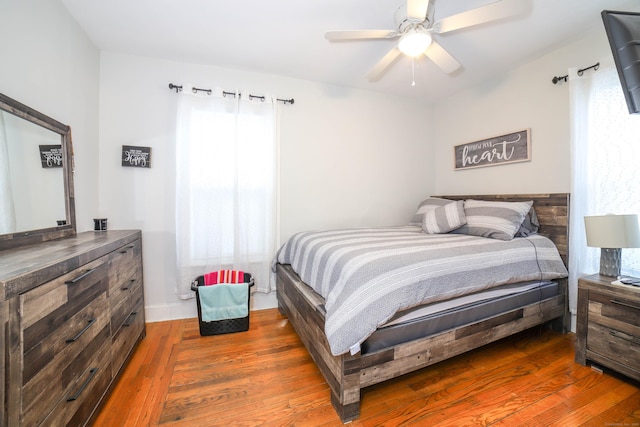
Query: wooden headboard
x=552, y=211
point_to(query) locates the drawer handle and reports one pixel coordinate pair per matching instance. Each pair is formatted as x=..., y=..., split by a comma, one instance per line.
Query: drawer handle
x=77, y=337
x=130, y=318
x=124, y=251
x=80, y=277
x=92, y=373
x=131, y=282
x=625, y=304
x=629, y=338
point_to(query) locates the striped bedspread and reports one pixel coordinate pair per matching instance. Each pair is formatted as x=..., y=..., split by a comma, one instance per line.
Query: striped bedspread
x=366, y=275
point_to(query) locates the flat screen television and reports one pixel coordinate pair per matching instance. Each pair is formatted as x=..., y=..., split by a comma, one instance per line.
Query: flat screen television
x=623, y=32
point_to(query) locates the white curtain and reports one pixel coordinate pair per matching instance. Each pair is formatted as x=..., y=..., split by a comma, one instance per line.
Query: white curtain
x=7, y=210
x=226, y=163
x=605, y=151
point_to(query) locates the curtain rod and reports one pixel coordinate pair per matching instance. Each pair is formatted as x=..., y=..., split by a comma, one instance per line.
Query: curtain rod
x=178, y=88
x=594, y=66
x=558, y=79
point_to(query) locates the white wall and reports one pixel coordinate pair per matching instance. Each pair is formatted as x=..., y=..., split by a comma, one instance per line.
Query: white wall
x=348, y=158
x=49, y=64
x=520, y=99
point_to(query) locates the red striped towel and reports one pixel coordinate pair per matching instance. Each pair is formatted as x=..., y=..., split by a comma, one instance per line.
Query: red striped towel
x=223, y=276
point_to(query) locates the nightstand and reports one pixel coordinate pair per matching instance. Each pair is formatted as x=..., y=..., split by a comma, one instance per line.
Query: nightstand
x=608, y=325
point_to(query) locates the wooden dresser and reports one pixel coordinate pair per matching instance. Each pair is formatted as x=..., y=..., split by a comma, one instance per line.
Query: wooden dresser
x=72, y=313
x=608, y=325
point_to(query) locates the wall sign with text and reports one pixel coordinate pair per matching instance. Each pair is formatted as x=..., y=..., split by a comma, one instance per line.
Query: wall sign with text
x=511, y=148
x=137, y=157
x=50, y=156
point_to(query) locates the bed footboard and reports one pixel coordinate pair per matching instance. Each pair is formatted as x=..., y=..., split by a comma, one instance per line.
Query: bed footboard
x=347, y=375
x=305, y=312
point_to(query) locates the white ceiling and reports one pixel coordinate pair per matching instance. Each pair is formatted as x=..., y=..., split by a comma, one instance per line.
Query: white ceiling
x=286, y=37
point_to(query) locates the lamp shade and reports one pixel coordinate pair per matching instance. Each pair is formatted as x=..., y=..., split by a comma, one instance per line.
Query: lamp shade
x=414, y=42
x=612, y=231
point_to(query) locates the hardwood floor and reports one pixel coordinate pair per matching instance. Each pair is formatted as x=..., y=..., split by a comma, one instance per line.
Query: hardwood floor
x=265, y=377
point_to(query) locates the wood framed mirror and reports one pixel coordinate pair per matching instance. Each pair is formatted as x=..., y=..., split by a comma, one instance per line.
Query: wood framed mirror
x=36, y=177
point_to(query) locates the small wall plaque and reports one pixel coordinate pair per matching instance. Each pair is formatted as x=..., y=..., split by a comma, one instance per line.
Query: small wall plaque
x=51, y=156
x=509, y=148
x=137, y=157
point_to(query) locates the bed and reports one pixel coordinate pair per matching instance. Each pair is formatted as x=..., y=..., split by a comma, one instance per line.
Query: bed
x=395, y=346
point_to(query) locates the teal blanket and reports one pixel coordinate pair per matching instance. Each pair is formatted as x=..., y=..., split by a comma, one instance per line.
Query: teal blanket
x=224, y=301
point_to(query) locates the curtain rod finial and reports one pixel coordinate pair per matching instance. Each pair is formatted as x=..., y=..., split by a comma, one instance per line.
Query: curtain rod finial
x=558, y=79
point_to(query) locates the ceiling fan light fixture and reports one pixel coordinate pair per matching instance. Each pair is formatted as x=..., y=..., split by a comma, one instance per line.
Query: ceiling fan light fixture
x=414, y=42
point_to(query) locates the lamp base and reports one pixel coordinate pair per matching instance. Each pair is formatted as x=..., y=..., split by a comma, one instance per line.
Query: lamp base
x=610, y=261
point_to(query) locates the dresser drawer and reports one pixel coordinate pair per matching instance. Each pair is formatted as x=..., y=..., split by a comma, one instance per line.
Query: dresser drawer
x=124, y=266
x=61, y=378
x=608, y=325
x=125, y=338
x=123, y=293
x=64, y=323
x=81, y=399
x=607, y=342
x=122, y=308
x=614, y=328
x=615, y=312
x=46, y=308
x=56, y=312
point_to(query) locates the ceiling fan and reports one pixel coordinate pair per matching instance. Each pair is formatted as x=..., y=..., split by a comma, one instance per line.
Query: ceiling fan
x=415, y=26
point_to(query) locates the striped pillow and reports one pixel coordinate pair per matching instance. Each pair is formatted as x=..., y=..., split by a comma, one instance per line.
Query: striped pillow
x=497, y=220
x=444, y=218
x=425, y=206
x=530, y=225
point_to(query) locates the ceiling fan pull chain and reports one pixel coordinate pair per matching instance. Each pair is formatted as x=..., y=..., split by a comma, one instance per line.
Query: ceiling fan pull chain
x=413, y=71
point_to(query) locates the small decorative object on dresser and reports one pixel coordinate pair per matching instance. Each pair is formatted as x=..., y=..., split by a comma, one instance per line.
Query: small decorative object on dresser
x=608, y=326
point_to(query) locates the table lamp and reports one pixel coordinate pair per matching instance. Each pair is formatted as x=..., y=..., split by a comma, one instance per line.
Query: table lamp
x=610, y=233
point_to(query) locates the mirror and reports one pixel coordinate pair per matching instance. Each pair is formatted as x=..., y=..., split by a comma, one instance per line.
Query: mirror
x=36, y=176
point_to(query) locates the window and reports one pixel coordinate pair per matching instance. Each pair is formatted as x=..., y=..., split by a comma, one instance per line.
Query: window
x=225, y=190
x=605, y=156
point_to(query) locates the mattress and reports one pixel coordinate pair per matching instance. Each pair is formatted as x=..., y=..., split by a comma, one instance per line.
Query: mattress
x=367, y=275
x=439, y=317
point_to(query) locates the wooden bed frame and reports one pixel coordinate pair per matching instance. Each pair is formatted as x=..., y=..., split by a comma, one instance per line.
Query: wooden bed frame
x=347, y=375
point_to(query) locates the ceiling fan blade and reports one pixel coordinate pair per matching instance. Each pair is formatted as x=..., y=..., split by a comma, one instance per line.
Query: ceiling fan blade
x=491, y=12
x=360, y=34
x=417, y=9
x=442, y=58
x=382, y=65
